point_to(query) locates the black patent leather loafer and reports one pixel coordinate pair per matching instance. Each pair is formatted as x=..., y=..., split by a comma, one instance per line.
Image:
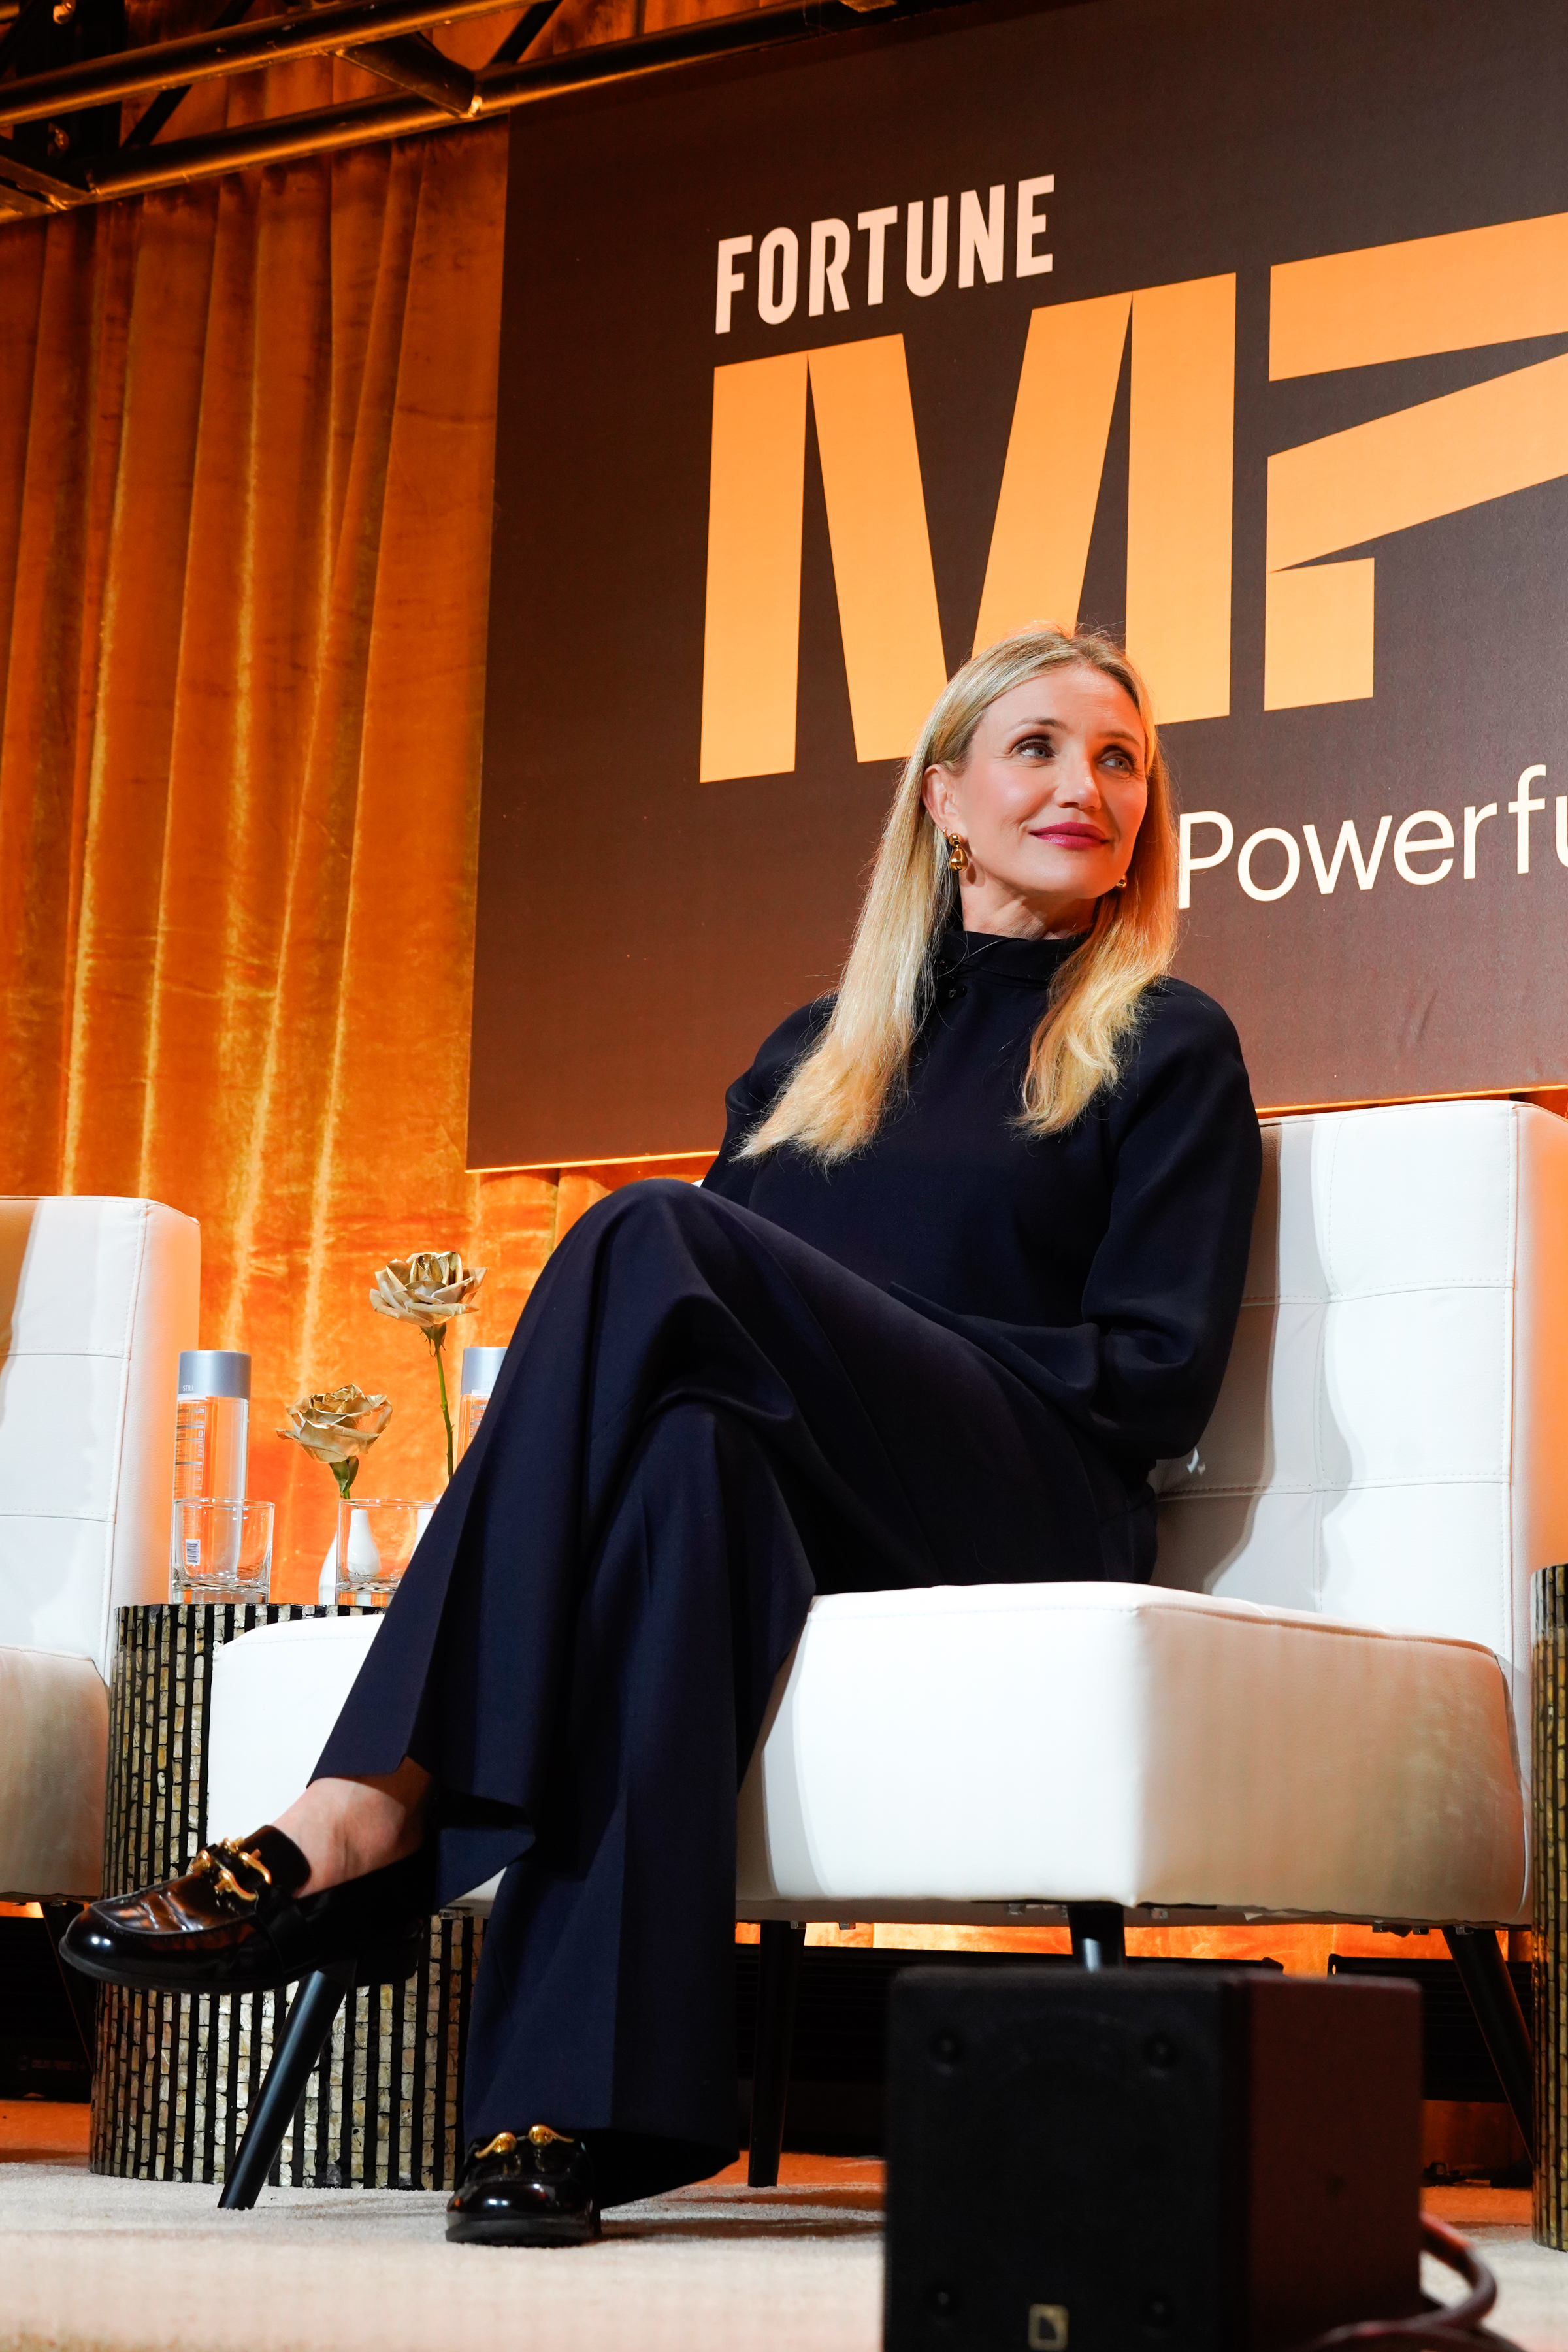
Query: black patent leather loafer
x=238, y=1923
x=536, y=2189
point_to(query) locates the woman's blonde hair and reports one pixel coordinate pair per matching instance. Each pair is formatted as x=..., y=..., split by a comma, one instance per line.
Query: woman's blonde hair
x=834, y=1102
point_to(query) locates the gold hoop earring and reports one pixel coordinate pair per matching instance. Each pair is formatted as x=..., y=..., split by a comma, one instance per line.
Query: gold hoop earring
x=957, y=852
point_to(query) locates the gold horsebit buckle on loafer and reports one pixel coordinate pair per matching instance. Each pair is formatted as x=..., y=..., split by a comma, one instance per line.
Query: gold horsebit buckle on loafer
x=220, y=1863
x=506, y=2143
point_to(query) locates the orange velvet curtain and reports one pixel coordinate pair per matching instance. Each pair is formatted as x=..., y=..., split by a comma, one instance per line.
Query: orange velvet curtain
x=247, y=441
x=247, y=435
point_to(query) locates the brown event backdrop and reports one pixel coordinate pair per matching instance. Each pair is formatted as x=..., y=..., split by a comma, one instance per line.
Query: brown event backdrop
x=246, y=446
x=1291, y=403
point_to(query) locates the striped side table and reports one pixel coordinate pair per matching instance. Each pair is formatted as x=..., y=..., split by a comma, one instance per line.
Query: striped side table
x=177, y=2072
x=1549, y=1685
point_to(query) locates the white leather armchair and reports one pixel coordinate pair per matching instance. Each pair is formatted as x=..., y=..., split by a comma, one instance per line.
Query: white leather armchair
x=1319, y=1711
x=1320, y=1708
x=97, y=1298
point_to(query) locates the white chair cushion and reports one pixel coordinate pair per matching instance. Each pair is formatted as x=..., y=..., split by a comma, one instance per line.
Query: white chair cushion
x=54, y=1748
x=276, y=1693
x=986, y=1744
x=1124, y=1744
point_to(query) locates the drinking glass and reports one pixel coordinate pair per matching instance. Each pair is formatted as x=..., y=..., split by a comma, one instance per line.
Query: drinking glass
x=375, y=1543
x=220, y=1550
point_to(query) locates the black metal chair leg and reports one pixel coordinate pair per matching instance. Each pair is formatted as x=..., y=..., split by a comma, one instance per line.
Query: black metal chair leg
x=80, y=1991
x=778, y=1986
x=308, y=2022
x=1483, y=1972
x=1098, y=1935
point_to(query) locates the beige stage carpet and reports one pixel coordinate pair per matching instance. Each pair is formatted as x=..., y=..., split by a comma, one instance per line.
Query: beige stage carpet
x=92, y=2265
x=153, y=2266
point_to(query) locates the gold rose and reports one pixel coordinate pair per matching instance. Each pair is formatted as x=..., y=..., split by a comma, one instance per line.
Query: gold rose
x=427, y=1290
x=338, y=1426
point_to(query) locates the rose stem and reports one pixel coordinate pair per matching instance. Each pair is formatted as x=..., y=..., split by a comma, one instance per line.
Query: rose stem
x=438, y=1344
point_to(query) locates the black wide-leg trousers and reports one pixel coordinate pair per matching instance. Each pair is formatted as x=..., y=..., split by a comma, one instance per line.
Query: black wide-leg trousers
x=700, y=1423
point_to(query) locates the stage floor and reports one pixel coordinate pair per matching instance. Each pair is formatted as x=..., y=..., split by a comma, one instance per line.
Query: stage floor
x=153, y=2266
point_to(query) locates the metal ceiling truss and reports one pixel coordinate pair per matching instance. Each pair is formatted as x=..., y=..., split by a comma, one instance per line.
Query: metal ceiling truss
x=65, y=147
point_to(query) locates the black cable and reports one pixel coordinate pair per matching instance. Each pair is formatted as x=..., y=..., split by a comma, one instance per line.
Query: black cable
x=1452, y=2327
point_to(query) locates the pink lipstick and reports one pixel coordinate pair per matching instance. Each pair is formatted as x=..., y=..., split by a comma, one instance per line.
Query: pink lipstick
x=1071, y=837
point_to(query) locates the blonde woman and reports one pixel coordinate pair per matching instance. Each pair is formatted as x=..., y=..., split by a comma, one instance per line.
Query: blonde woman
x=969, y=1261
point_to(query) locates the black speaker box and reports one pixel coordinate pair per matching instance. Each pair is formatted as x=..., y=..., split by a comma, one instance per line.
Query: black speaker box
x=1126, y=2159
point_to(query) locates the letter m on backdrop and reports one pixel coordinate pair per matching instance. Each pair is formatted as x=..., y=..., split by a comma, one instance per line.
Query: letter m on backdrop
x=1178, y=530
x=1475, y=287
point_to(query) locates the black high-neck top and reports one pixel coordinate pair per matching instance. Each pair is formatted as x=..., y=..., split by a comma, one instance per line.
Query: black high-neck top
x=1103, y=1264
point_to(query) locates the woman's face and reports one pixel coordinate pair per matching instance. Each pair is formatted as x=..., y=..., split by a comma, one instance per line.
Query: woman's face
x=1049, y=798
